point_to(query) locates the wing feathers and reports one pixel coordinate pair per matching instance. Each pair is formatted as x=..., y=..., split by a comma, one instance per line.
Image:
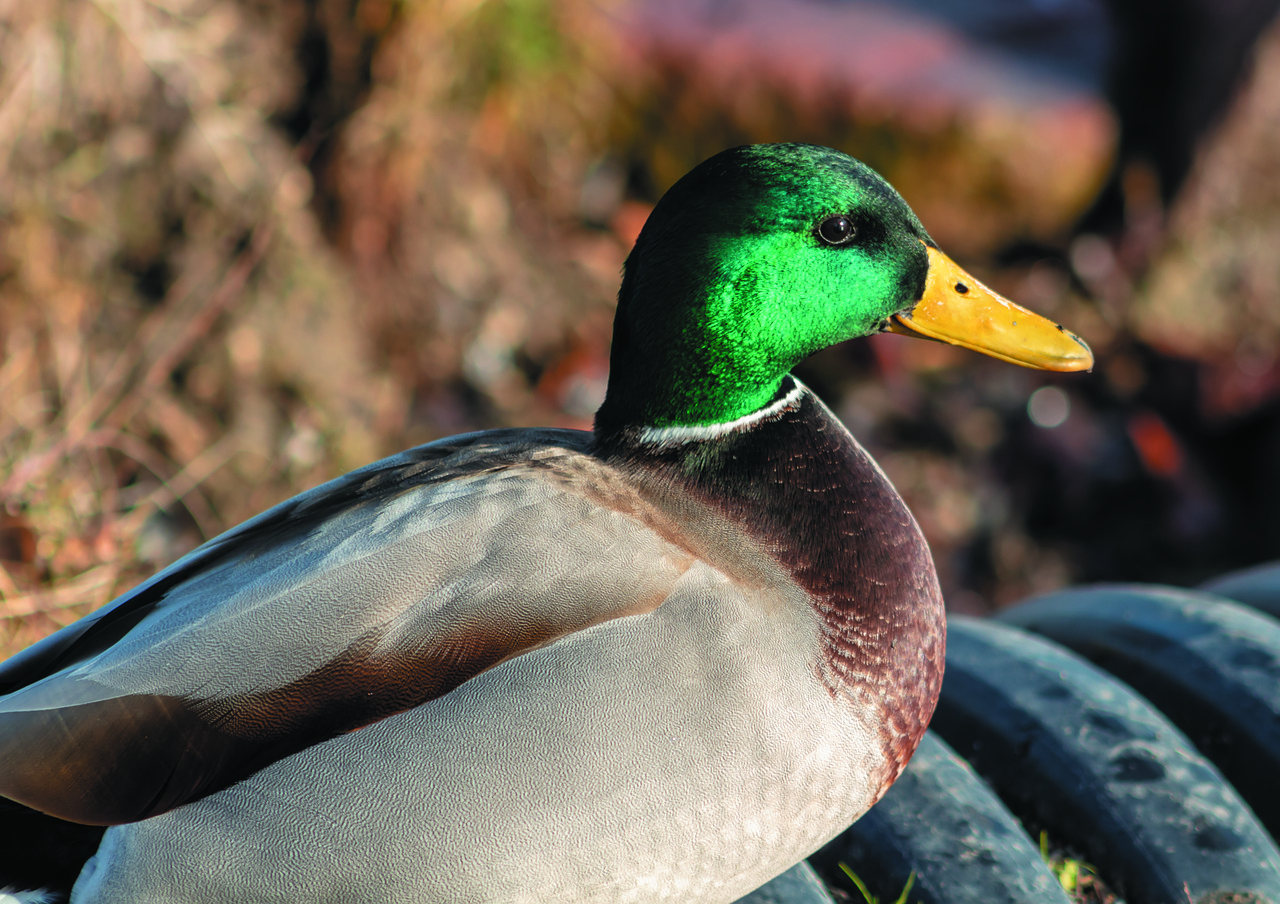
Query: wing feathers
x=367, y=597
x=112, y=761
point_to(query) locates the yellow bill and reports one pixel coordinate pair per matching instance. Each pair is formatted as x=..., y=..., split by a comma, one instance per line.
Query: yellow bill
x=959, y=310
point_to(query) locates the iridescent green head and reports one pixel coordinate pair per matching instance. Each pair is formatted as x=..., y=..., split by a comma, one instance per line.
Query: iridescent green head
x=756, y=259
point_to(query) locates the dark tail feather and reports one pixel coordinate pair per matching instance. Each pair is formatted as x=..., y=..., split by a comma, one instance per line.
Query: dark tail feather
x=39, y=851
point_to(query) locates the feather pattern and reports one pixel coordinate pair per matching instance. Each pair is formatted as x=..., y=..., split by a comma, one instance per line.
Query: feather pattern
x=365, y=597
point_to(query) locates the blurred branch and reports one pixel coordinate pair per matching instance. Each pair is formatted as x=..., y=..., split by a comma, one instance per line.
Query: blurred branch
x=94, y=585
x=119, y=412
x=197, y=328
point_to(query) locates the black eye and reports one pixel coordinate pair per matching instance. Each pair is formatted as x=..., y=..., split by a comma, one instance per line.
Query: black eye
x=837, y=231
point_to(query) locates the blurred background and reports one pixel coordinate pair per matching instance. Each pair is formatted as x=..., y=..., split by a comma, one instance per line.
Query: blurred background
x=248, y=245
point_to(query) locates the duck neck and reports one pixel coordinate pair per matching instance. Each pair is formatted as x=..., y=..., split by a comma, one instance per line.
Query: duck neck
x=684, y=369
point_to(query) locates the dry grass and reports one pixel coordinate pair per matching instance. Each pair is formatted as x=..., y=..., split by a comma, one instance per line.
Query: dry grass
x=246, y=245
x=193, y=328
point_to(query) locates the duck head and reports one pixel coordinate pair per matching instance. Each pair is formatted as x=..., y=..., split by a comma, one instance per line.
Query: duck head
x=763, y=255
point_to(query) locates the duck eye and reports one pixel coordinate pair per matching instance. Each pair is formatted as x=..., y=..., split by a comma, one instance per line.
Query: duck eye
x=837, y=231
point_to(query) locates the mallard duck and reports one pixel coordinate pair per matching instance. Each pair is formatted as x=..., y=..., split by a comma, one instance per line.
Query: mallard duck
x=663, y=660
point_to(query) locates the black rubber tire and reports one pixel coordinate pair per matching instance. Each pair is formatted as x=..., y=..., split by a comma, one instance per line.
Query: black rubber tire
x=1211, y=666
x=1071, y=750
x=1258, y=587
x=798, y=885
x=943, y=823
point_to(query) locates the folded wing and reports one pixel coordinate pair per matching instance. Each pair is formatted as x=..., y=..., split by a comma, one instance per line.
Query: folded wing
x=362, y=598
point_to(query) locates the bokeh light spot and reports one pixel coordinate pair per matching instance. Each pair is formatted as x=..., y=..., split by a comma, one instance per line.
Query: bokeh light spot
x=1048, y=407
